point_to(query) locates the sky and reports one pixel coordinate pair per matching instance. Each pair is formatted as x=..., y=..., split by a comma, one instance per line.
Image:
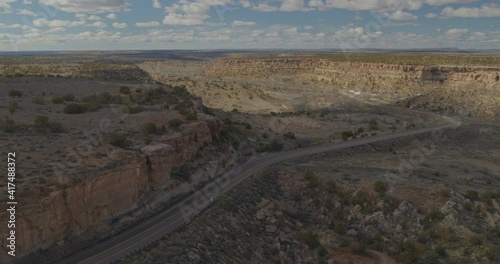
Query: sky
x=29, y=25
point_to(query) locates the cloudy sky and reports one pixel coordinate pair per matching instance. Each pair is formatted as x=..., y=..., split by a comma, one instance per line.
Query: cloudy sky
x=221, y=24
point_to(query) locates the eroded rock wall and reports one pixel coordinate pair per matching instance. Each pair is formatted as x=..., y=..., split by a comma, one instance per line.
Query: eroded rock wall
x=105, y=197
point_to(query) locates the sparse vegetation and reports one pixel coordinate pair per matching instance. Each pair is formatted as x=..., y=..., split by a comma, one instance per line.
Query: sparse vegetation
x=15, y=93
x=175, y=122
x=118, y=140
x=12, y=107
x=124, y=90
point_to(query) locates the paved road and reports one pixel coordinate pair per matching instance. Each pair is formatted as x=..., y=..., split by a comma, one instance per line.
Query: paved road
x=168, y=220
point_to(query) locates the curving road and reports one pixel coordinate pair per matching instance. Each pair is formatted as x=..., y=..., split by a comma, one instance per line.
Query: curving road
x=151, y=229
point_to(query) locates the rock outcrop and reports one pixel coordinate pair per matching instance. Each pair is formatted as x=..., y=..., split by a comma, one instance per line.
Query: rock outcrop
x=95, y=203
x=468, y=90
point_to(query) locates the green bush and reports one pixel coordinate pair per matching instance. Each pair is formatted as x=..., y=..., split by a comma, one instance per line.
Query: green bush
x=133, y=109
x=92, y=106
x=191, y=116
x=312, y=180
x=175, y=122
x=74, y=109
x=124, y=90
x=118, y=140
x=41, y=123
x=472, y=195
x=57, y=100
x=15, y=93
x=149, y=128
x=346, y=135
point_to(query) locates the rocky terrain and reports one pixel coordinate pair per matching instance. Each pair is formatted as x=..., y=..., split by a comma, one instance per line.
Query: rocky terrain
x=467, y=90
x=343, y=208
x=105, y=140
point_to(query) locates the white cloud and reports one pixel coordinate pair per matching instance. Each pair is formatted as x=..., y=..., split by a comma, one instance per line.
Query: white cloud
x=42, y=22
x=432, y=15
x=455, y=33
x=401, y=15
x=79, y=6
x=156, y=4
x=26, y=12
x=99, y=24
x=486, y=10
x=147, y=24
x=5, y=6
x=27, y=2
x=120, y=25
x=239, y=23
x=191, y=13
x=111, y=16
x=94, y=18
x=182, y=20
x=308, y=27
x=293, y=5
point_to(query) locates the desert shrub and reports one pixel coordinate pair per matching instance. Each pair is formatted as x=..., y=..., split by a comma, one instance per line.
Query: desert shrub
x=274, y=146
x=309, y=238
x=118, y=140
x=92, y=106
x=359, y=249
x=55, y=127
x=346, y=135
x=445, y=193
x=74, y=109
x=68, y=98
x=248, y=126
x=133, y=109
x=38, y=101
x=8, y=126
x=57, y=100
x=41, y=123
x=15, y=93
x=359, y=199
x=434, y=215
x=472, y=195
x=149, y=128
x=104, y=98
x=191, y=116
x=361, y=130
x=227, y=121
x=380, y=187
x=408, y=253
x=208, y=111
x=373, y=124
x=441, y=251
x=312, y=180
x=12, y=107
x=289, y=135
x=175, y=122
x=124, y=90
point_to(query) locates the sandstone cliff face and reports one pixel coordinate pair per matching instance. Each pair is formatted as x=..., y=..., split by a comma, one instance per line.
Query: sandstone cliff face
x=467, y=90
x=103, y=198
